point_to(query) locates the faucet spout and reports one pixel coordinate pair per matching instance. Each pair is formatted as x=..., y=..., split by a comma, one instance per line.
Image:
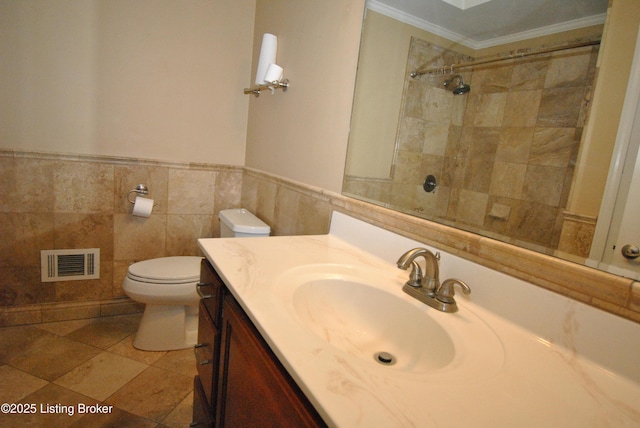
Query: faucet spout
x=427, y=288
x=431, y=279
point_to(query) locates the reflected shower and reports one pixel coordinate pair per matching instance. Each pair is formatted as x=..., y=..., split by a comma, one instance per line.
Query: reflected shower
x=460, y=88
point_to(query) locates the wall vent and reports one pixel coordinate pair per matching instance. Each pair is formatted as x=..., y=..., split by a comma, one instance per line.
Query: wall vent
x=70, y=265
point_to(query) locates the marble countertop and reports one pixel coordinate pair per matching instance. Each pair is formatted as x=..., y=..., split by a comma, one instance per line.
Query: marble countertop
x=520, y=378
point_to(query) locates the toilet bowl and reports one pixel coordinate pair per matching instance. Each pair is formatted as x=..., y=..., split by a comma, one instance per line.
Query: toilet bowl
x=167, y=287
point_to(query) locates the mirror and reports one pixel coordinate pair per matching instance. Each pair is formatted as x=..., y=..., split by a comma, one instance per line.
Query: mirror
x=516, y=147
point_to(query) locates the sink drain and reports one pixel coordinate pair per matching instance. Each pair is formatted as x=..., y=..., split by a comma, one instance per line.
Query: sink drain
x=384, y=358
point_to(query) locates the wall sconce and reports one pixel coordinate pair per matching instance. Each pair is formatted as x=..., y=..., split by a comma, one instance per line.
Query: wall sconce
x=269, y=75
x=277, y=84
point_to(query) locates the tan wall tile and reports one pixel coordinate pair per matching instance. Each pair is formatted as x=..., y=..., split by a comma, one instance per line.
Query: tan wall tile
x=228, y=191
x=522, y=108
x=313, y=215
x=438, y=105
x=85, y=231
x=249, y=198
x=576, y=237
x=416, y=93
x=265, y=207
x=120, y=269
x=553, y=146
x=191, y=191
x=472, y=207
x=27, y=185
x=561, y=107
x=411, y=134
x=286, y=209
x=543, y=184
x=437, y=136
x=529, y=73
x=491, y=79
x=138, y=238
x=83, y=187
x=127, y=177
x=514, y=145
x=183, y=231
x=533, y=222
x=507, y=179
x=23, y=236
x=491, y=110
x=569, y=69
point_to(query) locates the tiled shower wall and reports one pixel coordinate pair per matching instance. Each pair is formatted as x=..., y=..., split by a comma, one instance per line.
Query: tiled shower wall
x=57, y=202
x=503, y=154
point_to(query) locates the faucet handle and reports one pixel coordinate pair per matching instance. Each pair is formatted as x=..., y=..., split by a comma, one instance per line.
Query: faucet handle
x=446, y=291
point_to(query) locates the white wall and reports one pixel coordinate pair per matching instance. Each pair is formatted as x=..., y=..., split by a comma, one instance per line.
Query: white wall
x=302, y=134
x=154, y=79
x=163, y=79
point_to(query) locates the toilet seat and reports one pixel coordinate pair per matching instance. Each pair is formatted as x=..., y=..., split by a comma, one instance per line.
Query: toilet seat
x=166, y=270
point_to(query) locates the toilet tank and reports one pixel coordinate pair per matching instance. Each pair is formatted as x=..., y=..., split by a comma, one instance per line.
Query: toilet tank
x=240, y=223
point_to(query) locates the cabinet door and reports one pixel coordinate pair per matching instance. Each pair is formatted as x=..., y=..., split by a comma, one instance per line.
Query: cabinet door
x=211, y=289
x=207, y=352
x=256, y=390
x=202, y=415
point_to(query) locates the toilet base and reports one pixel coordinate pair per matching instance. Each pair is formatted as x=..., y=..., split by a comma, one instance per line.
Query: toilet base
x=167, y=328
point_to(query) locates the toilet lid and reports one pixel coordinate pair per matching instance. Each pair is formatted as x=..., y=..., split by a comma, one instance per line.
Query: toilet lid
x=167, y=270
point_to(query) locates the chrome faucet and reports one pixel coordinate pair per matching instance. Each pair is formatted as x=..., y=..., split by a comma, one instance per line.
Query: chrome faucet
x=426, y=287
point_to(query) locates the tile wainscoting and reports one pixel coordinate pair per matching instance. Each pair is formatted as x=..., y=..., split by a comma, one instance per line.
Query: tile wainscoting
x=52, y=201
x=44, y=193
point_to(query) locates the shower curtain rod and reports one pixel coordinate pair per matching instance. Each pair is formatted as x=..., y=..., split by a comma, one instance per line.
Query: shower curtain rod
x=448, y=69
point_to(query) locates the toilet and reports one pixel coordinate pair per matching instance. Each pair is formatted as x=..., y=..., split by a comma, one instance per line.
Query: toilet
x=167, y=287
x=241, y=223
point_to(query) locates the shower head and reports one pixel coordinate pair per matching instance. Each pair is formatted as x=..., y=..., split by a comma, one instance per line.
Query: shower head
x=460, y=88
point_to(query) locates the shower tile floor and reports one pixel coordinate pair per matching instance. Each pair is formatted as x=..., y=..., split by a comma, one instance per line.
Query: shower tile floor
x=60, y=371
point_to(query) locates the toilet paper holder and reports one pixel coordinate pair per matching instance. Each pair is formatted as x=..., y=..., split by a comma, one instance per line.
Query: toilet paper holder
x=140, y=190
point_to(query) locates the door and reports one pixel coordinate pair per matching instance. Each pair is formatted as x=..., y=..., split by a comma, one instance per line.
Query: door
x=620, y=252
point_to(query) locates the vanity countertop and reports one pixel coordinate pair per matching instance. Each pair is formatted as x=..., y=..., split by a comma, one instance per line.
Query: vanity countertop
x=520, y=378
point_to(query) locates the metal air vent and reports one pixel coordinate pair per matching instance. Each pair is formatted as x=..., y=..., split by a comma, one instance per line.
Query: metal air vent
x=70, y=265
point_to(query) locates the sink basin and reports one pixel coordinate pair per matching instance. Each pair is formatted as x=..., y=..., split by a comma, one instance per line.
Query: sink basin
x=362, y=316
x=372, y=324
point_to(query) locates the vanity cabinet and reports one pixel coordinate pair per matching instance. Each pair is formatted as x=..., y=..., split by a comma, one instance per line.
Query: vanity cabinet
x=207, y=350
x=240, y=381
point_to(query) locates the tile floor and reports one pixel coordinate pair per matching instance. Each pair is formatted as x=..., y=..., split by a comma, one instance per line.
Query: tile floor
x=63, y=368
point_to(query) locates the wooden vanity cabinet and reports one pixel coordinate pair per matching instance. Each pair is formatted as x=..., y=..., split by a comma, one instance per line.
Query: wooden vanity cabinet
x=250, y=386
x=256, y=390
x=207, y=350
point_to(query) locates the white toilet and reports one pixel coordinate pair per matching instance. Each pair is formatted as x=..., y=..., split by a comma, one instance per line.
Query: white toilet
x=240, y=223
x=167, y=286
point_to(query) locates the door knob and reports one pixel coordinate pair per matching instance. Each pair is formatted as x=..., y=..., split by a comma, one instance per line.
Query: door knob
x=630, y=252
